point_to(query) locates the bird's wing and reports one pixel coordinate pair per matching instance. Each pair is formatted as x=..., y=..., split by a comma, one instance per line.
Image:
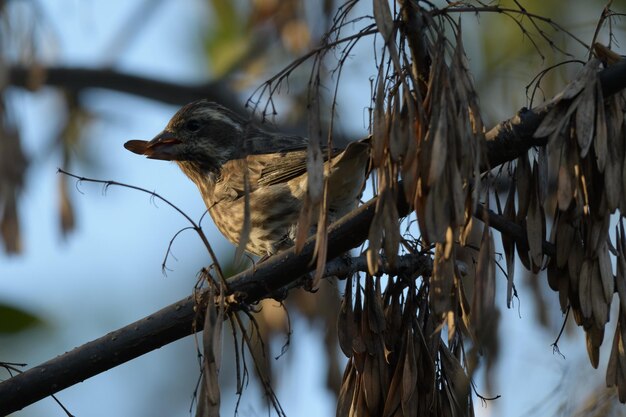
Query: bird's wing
x=280, y=157
x=262, y=170
x=260, y=142
x=272, y=159
x=281, y=167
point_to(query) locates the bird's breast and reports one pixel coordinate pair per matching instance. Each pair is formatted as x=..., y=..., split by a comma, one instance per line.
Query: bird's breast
x=272, y=215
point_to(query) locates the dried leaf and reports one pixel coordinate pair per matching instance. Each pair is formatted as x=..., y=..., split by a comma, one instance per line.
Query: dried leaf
x=457, y=378
x=543, y=180
x=566, y=181
x=606, y=272
x=620, y=278
x=585, y=117
x=391, y=226
x=598, y=234
x=383, y=19
x=616, y=368
x=392, y=400
x=410, y=179
x=449, y=244
x=375, y=238
x=409, y=379
x=600, y=143
x=66, y=210
x=10, y=225
x=564, y=239
x=209, y=397
x=399, y=136
x=345, y=321
x=584, y=287
x=552, y=121
x=379, y=128
x=508, y=244
x=575, y=261
x=376, y=315
x=554, y=273
x=451, y=323
x=13, y=164
x=346, y=393
x=599, y=306
x=439, y=150
x=594, y=338
x=612, y=179
x=315, y=178
x=564, y=290
x=458, y=196
x=618, y=354
x=485, y=286
x=358, y=344
x=359, y=406
x=535, y=224
x=604, y=54
x=321, y=246
x=436, y=212
x=581, y=80
x=523, y=177
x=441, y=283
x=372, y=390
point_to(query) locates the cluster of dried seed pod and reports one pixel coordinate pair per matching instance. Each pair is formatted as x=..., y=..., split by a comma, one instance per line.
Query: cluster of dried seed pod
x=427, y=132
x=586, y=150
x=396, y=366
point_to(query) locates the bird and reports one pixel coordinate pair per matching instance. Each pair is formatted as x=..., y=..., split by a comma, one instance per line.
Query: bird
x=228, y=156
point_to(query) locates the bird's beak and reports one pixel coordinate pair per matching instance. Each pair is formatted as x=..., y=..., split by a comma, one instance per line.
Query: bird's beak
x=163, y=146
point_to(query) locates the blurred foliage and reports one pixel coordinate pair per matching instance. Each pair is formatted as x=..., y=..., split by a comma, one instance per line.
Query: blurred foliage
x=13, y=320
x=511, y=50
x=227, y=41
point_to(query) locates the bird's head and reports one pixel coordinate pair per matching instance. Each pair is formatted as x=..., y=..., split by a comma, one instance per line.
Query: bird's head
x=202, y=135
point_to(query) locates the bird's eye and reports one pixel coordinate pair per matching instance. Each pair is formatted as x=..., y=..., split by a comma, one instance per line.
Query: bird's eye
x=192, y=125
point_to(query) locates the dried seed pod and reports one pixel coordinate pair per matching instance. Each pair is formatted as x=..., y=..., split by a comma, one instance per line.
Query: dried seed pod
x=441, y=283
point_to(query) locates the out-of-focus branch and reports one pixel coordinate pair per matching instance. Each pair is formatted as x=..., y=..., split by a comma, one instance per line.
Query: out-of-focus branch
x=77, y=79
x=505, y=142
x=81, y=79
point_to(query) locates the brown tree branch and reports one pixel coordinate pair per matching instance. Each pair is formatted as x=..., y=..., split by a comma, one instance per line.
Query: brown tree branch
x=177, y=320
x=181, y=318
x=79, y=79
x=505, y=141
x=509, y=139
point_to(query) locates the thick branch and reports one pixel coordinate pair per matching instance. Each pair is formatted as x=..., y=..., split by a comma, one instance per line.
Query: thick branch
x=511, y=138
x=505, y=142
x=176, y=320
x=181, y=318
x=77, y=79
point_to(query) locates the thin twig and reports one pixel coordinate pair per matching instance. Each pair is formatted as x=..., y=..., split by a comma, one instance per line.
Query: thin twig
x=194, y=225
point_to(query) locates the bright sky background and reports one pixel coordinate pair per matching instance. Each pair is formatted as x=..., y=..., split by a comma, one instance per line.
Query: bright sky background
x=108, y=273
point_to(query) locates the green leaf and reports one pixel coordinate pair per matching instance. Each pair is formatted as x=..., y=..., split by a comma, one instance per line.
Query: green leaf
x=14, y=320
x=228, y=40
